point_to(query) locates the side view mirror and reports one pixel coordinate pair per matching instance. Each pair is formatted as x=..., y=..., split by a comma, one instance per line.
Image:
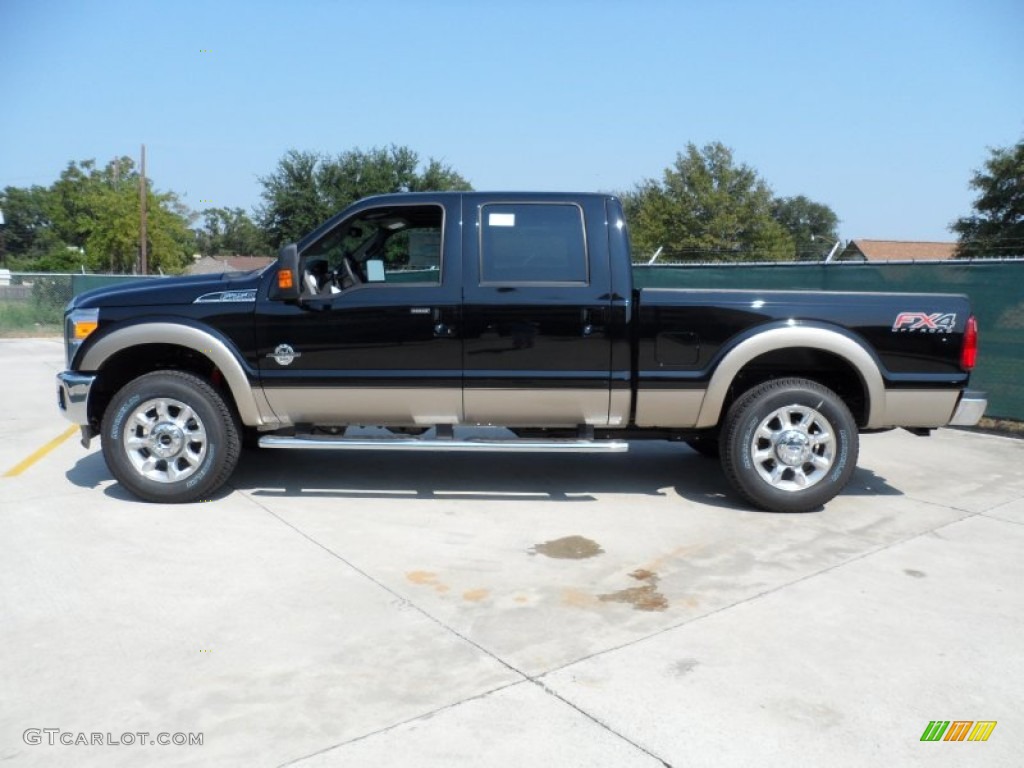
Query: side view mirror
x=289, y=282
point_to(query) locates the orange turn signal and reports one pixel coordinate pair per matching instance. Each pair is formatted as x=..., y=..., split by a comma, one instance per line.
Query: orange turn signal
x=285, y=278
x=84, y=327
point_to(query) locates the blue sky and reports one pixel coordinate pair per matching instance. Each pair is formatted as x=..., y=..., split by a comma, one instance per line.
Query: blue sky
x=879, y=109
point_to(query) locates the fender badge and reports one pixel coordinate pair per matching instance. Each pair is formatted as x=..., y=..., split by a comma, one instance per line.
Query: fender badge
x=283, y=354
x=919, y=322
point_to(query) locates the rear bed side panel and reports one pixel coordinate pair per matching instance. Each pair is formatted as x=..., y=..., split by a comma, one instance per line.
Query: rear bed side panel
x=691, y=344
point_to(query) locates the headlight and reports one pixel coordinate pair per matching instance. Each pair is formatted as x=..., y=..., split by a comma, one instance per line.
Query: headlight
x=78, y=324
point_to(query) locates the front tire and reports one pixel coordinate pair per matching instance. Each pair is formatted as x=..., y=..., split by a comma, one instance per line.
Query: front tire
x=789, y=445
x=170, y=437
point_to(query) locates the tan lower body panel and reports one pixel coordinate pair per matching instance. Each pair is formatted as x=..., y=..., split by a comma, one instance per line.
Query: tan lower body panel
x=618, y=413
x=537, y=407
x=402, y=407
x=919, y=407
x=668, y=407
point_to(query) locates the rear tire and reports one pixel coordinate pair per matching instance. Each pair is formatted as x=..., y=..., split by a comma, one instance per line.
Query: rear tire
x=789, y=445
x=170, y=437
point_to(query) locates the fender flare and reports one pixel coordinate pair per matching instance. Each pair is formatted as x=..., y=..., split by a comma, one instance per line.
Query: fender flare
x=196, y=339
x=792, y=337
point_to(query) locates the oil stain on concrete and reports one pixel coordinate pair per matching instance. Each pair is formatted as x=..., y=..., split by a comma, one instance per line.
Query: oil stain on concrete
x=645, y=598
x=568, y=548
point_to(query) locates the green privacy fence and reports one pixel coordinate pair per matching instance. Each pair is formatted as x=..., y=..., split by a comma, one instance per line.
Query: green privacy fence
x=996, y=290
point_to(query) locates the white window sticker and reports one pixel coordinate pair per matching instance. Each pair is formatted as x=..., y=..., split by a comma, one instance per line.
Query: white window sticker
x=501, y=219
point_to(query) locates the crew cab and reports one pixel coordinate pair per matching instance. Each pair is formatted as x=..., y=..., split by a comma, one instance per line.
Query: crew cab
x=429, y=313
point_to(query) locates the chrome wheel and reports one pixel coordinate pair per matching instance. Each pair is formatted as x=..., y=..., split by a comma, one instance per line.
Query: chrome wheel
x=165, y=440
x=793, y=448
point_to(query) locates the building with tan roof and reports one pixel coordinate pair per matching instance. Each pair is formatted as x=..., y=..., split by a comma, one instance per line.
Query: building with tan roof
x=896, y=250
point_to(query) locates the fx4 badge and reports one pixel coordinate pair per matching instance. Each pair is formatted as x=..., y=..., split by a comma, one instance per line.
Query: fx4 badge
x=283, y=354
x=919, y=322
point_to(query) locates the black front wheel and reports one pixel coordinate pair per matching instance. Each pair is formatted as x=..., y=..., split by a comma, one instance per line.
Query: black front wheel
x=170, y=437
x=789, y=445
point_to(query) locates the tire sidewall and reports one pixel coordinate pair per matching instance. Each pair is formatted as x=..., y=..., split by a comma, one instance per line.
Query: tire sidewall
x=196, y=486
x=749, y=415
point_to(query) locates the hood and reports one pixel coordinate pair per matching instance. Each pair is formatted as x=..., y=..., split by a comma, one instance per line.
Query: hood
x=164, y=291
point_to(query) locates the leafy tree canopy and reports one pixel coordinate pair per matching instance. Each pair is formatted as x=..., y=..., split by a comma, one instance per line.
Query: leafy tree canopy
x=307, y=188
x=813, y=226
x=997, y=226
x=707, y=207
x=90, y=217
x=230, y=231
x=28, y=232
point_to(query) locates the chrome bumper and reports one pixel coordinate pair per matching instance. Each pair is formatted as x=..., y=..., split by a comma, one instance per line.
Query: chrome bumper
x=970, y=409
x=73, y=396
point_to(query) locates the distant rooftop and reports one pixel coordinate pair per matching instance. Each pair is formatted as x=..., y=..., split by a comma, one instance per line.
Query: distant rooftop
x=897, y=250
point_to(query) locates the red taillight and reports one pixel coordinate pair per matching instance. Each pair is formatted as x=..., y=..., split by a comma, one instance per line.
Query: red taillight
x=969, y=351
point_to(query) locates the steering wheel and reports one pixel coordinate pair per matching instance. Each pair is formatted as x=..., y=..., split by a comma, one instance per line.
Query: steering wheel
x=349, y=273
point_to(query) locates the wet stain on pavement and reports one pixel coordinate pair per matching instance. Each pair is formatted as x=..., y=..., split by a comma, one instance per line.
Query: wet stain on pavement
x=645, y=598
x=576, y=598
x=568, y=548
x=685, y=666
x=475, y=595
x=422, y=577
x=427, y=579
x=915, y=574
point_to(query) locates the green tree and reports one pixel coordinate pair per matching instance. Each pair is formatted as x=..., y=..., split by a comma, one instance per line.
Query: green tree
x=230, y=231
x=90, y=217
x=707, y=207
x=813, y=226
x=28, y=234
x=97, y=211
x=997, y=226
x=307, y=188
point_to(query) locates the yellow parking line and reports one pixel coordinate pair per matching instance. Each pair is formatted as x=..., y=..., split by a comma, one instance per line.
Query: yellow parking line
x=21, y=466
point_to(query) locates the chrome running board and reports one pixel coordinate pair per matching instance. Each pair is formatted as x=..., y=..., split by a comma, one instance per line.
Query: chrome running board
x=329, y=442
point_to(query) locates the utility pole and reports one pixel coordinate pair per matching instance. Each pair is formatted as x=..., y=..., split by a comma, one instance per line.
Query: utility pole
x=142, y=216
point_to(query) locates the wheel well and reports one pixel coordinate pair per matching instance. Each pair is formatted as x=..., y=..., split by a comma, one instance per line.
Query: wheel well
x=129, y=364
x=826, y=368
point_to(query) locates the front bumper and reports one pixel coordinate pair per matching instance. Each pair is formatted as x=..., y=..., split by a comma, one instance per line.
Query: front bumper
x=73, y=396
x=970, y=409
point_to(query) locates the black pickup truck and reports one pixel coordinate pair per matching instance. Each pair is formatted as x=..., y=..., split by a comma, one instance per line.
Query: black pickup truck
x=425, y=314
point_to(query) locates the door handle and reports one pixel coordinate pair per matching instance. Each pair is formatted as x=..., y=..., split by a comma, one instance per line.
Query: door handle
x=441, y=329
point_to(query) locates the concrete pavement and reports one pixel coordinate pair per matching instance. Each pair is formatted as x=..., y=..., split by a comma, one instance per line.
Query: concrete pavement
x=446, y=610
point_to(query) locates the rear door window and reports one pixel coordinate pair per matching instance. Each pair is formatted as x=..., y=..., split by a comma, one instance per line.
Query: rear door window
x=532, y=243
